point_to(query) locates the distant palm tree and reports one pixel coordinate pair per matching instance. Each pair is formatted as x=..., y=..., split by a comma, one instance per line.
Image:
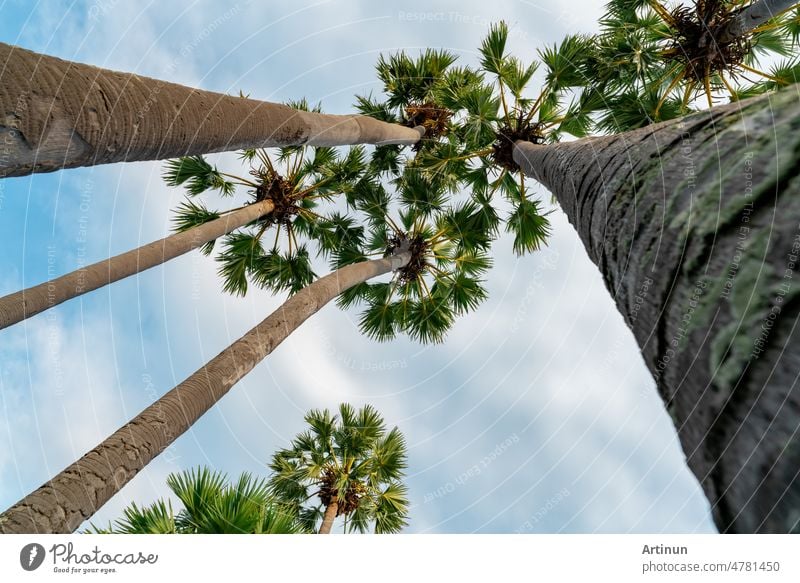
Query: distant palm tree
x=65, y=114
x=352, y=465
x=211, y=505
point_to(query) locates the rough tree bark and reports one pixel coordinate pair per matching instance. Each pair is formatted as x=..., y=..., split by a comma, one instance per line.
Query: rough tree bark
x=58, y=114
x=23, y=304
x=695, y=225
x=72, y=496
x=329, y=516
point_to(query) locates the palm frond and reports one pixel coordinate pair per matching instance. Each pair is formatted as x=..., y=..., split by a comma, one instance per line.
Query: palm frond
x=196, y=175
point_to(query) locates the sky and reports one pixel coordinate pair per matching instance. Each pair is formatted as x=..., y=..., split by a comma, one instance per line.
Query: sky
x=537, y=415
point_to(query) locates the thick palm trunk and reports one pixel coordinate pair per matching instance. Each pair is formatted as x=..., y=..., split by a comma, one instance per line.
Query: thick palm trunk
x=58, y=114
x=695, y=225
x=29, y=302
x=63, y=503
x=754, y=16
x=329, y=516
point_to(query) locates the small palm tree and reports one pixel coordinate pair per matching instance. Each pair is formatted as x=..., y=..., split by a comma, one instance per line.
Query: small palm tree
x=211, y=505
x=651, y=62
x=352, y=465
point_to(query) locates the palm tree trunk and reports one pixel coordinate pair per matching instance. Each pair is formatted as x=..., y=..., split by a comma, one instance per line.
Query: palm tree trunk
x=695, y=226
x=31, y=301
x=329, y=517
x=58, y=114
x=72, y=496
x=754, y=16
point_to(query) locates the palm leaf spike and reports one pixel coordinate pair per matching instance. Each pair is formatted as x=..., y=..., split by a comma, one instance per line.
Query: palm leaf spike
x=346, y=464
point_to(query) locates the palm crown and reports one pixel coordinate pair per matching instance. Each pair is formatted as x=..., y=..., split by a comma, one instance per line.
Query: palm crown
x=488, y=109
x=651, y=62
x=347, y=464
x=273, y=250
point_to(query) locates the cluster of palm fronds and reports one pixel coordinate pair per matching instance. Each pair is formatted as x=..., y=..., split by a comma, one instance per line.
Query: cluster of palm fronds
x=210, y=505
x=653, y=61
x=447, y=198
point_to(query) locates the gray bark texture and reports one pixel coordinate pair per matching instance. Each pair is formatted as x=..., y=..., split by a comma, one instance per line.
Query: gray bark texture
x=329, y=516
x=58, y=114
x=23, y=304
x=63, y=503
x=754, y=16
x=695, y=226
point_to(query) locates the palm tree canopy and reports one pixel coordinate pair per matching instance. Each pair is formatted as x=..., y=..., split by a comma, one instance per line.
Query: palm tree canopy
x=349, y=456
x=211, y=505
x=450, y=239
x=653, y=62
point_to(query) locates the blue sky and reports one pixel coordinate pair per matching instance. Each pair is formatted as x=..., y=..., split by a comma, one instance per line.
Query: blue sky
x=542, y=389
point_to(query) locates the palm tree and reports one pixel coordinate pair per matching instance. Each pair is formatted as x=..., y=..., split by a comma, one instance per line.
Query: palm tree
x=211, y=505
x=26, y=303
x=273, y=199
x=64, y=115
x=694, y=224
x=352, y=464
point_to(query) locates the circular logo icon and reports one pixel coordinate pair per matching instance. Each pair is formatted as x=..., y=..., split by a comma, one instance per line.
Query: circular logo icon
x=31, y=556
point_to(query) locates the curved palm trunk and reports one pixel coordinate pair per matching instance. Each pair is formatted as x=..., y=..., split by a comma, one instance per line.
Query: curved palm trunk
x=329, y=517
x=72, y=496
x=58, y=114
x=33, y=300
x=695, y=225
x=754, y=16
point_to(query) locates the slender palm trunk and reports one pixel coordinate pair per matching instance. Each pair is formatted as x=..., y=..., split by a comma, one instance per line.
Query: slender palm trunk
x=58, y=114
x=33, y=300
x=695, y=226
x=754, y=16
x=72, y=496
x=329, y=517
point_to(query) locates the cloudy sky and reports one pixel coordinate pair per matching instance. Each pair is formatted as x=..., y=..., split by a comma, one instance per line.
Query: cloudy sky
x=542, y=388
